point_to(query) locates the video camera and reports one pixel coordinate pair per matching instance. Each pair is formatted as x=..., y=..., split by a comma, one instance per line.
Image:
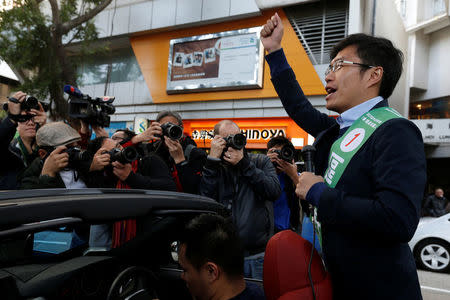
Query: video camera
x=28, y=104
x=286, y=153
x=236, y=141
x=94, y=111
x=124, y=156
x=172, y=131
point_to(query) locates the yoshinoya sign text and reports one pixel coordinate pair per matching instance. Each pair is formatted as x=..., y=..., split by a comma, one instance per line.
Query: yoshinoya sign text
x=251, y=133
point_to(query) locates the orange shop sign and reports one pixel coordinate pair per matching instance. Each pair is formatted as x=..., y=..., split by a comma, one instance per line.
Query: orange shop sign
x=258, y=131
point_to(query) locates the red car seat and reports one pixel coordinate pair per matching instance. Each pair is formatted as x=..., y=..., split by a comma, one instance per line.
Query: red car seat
x=285, y=274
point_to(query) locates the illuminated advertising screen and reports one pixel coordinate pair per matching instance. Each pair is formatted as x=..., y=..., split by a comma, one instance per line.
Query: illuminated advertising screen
x=219, y=61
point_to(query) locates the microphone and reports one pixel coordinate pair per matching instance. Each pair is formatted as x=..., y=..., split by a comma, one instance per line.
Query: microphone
x=308, y=156
x=73, y=91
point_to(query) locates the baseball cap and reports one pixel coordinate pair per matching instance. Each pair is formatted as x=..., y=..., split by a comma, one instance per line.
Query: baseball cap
x=56, y=134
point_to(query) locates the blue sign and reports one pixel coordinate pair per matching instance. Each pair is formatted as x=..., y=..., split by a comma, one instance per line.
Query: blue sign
x=113, y=126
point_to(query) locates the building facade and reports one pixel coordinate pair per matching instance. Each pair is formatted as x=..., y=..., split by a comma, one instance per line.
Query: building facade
x=426, y=25
x=139, y=33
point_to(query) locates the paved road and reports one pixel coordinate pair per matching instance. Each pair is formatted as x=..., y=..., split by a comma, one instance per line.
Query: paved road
x=435, y=286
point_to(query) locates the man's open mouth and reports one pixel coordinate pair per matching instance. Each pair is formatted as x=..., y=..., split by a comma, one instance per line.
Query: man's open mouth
x=330, y=91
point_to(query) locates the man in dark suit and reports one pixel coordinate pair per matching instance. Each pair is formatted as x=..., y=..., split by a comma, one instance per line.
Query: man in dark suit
x=372, y=162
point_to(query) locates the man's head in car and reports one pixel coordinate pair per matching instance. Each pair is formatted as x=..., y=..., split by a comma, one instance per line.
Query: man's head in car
x=212, y=259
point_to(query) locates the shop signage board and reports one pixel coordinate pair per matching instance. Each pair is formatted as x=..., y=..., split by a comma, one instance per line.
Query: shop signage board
x=257, y=130
x=434, y=130
x=228, y=60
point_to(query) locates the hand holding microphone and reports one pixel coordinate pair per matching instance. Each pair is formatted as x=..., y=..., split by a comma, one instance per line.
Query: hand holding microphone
x=307, y=179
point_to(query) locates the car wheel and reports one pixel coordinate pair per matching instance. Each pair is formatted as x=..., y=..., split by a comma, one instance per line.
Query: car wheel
x=433, y=255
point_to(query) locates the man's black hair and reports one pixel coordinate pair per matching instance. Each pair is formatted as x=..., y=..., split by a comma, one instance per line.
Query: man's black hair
x=375, y=51
x=129, y=134
x=215, y=239
x=278, y=141
x=95, y=144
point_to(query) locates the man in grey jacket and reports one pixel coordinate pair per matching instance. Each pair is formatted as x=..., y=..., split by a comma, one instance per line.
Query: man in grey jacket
x=246, y=184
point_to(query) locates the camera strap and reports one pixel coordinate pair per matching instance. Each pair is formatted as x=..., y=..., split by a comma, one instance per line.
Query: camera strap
x=12, y=99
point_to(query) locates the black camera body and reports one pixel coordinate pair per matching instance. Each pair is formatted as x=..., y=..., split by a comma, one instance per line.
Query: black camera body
x=29, y=103
x=236, y=141
x=76, y=155
x=173, y=131
x=125, y=156
x=286, y=153
x=93, y=111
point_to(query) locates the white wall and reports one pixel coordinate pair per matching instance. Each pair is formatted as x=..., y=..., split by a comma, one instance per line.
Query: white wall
x=355, y=16
x=136, y=16
x=439, y=65
x=389, y=24
x=418, y=60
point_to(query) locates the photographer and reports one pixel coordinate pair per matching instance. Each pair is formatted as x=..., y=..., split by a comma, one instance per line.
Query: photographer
x=180, y=153
x=246, y=184
x=149, y=172
x=53, y=168
x=286, y=209
x=16, y=154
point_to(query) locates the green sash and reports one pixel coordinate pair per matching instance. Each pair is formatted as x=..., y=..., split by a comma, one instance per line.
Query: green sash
x=344, y=148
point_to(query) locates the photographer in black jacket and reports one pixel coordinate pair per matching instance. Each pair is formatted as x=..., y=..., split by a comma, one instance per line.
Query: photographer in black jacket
x=16, y=154
x=180, y=153
x=52, y=169
x=148, y=172
x=247, y=185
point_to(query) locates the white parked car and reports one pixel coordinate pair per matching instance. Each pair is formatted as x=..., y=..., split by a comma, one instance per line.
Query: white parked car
x=431, y=244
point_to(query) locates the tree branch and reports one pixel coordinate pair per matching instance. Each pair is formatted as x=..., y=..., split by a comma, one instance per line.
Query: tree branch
x=55, y=14
x=74, y=36
x=68, y=26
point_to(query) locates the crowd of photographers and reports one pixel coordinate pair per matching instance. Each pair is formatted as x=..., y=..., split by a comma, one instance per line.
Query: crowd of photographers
x=257, y=190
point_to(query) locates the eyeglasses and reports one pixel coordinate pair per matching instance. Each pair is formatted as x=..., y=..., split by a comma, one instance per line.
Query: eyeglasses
x=30, y=120
x=340, y=63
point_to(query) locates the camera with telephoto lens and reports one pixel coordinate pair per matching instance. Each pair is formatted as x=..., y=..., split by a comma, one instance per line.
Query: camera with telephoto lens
x=286, y=153
x=125, y=156
x=236, y=141
x=76, y=155
x=94, y=111
x=173, y=131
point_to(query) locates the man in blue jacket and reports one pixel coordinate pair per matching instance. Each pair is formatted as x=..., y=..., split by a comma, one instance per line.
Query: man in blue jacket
x=370, y=166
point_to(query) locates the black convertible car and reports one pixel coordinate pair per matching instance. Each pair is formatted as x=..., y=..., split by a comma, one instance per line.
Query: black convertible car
x=45, y=252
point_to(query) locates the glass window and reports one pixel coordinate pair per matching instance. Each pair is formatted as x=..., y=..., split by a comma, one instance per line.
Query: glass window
x=430, y=109
x=438, y=7
x=121, y=65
